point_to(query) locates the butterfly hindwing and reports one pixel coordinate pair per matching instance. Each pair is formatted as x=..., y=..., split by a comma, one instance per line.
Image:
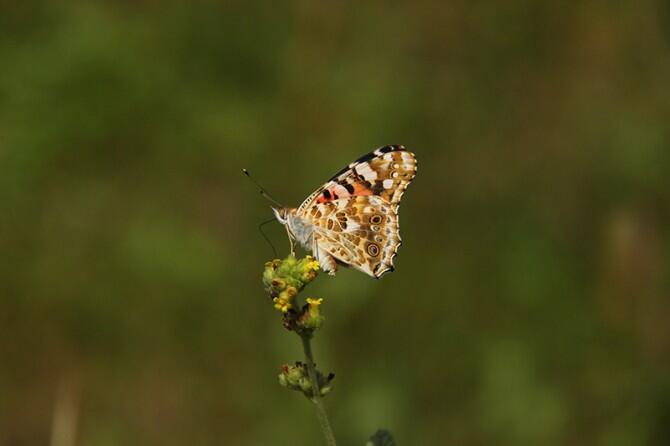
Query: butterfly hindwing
x=359, y=231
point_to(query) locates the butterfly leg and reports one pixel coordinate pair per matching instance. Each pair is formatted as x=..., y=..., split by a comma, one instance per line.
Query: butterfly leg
x=290, y=240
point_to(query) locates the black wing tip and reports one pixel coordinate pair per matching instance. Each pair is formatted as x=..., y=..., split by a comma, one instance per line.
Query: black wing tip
x=380, y=151
x=377, y=152
x=368, y=156
x=390, y=148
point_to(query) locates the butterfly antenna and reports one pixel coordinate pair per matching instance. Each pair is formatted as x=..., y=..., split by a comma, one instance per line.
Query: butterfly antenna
x=262, y=189
x=267, y=239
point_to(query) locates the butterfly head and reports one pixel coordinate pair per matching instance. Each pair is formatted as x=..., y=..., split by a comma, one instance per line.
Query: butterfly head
x=281, y=214
x=296, y=226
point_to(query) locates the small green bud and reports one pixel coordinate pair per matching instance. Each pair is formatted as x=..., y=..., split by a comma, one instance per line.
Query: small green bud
x=296, y=377
x=305, y=385
x=291, y=376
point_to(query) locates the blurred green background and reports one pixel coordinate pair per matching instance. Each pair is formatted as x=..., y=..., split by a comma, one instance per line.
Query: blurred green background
x=530, y=305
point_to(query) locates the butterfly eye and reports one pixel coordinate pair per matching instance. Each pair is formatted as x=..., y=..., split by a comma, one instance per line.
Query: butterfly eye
x=379, y=238
x=376, y=219
x=373, y=250
x=376, y=228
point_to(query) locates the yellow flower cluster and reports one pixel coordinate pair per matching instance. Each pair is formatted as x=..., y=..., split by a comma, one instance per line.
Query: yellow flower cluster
x=283, y=301
x=284, y=279
x=282, y=304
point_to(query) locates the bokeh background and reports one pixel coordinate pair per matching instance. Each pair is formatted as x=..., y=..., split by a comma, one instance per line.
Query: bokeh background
x=530, y=305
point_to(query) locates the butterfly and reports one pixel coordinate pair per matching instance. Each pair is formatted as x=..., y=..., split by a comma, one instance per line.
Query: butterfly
x=352, y=219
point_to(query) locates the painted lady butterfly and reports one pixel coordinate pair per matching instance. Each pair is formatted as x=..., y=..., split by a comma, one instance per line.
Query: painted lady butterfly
x=353, y=219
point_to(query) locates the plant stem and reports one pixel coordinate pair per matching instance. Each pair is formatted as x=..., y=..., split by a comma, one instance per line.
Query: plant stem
x=316, y=398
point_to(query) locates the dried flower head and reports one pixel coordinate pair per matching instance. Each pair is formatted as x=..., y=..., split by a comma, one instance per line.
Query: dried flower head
x=296, y=377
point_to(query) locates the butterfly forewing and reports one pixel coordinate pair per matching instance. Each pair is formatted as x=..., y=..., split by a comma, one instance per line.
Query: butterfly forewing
x=385, y=172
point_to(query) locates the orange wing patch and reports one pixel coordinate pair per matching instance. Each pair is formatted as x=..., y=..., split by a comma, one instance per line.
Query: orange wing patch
x=337, y=191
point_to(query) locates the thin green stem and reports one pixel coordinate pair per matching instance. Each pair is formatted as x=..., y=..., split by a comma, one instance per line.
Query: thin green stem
x=316, y=398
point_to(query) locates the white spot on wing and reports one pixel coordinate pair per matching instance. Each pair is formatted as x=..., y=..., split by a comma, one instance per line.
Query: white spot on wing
x=366, y=172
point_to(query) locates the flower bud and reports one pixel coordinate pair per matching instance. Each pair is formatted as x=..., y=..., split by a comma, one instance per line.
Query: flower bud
x=311, y=318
